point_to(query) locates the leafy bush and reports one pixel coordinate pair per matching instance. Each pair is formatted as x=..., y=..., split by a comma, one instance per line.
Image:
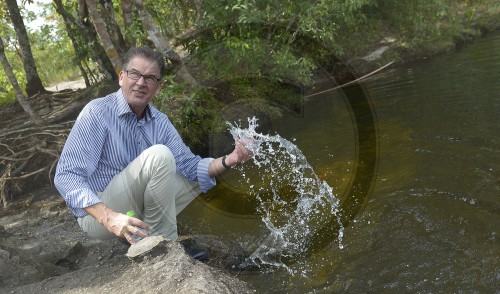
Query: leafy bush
x=195, y=115
x=201, y=112
x=6, y=97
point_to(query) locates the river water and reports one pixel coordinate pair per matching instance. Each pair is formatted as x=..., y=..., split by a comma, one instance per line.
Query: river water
x=418, y=179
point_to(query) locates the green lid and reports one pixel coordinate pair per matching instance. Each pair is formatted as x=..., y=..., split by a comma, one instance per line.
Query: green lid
x=131, y=213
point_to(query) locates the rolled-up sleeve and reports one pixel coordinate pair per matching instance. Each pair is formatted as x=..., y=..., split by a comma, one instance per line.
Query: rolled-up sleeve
x=206, y=182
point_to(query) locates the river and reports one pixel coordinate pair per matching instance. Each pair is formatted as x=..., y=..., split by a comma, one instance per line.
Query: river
x=426, y=213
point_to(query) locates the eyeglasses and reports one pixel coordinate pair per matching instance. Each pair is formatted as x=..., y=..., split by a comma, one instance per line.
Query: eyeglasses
x=134, y=75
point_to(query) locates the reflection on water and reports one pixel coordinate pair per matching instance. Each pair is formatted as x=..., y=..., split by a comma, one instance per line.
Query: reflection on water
x=433, y=219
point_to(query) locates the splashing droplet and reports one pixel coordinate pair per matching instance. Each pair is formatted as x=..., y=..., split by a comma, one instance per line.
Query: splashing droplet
x=293, y=202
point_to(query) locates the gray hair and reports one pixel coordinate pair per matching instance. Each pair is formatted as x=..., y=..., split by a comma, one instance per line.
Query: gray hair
x=147, y=53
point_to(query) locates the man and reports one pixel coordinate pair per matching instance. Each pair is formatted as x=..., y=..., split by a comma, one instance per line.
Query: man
x=123, y=154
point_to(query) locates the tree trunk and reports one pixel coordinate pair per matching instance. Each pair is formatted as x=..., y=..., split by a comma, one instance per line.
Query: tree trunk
x=92, y=76
x=162, y=44
x=116, y=35
x=89, y=36
x=88, y=32
x=128, y=20
x=70, y=31
x=82, y=10
x=19, y=93
x=33, y=82
x=103, y=34
x=84, y=74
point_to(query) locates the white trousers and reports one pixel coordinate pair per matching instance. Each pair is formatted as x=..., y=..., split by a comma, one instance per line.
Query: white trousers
x=151, y=187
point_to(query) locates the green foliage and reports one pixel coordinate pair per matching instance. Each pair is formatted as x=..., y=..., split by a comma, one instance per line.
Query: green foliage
x=424, y=27
x=173, y=17
x=257, y=47
x=280, y=40
x=263, y=95
x=7, y=94
x=416, y=21
x=53, y=53
x=195, y=115
x=198, y=114
x=61, y=64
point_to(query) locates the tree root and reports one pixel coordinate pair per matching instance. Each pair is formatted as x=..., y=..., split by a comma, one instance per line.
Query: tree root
x=21, y=167
x=29, y=153
x=28, y=156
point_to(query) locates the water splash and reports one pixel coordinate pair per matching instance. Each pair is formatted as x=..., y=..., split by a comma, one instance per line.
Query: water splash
x=294, y=203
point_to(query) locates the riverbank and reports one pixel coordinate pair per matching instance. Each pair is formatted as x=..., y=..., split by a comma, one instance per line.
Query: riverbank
x=380, y=41
x=397, y=32
x=460, y=27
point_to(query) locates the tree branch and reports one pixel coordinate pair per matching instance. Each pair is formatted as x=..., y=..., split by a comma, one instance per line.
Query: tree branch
x=60, y=9
x=27, y=175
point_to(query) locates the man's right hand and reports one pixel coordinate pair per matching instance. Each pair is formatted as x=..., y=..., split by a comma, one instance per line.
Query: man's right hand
x=119, y=224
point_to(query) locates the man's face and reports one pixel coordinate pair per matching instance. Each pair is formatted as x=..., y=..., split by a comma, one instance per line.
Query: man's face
x=139, y=92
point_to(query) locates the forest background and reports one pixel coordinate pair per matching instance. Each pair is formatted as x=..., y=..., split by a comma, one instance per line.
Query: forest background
x=260, y=54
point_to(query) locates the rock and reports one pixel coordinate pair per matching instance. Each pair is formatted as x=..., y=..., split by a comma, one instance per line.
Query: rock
x=4, y=254
x=150, y=246
x=171, y=271
x=178, y=272
x=222, y=254
x=31, y=249
x=377, y=54
x=47, y=212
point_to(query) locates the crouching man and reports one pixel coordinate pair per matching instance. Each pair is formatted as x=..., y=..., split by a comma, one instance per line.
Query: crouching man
x=123, y=154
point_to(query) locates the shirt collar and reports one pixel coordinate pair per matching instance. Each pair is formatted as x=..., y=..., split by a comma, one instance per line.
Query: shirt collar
x=124, y=108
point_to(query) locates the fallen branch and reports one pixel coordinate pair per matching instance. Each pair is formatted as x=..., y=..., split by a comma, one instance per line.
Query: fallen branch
x=27, y=175
x=14, y=159
x=54, y=164
x=20, y=168
x=351, y=82
x=47, y=151
x=8, y=148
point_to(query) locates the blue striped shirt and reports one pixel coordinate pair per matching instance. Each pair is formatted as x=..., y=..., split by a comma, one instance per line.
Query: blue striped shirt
x=105, y=138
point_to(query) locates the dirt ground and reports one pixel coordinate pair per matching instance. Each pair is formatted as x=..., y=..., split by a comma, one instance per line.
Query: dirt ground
x=41, y=239
x=43, y=250
x=71, y=85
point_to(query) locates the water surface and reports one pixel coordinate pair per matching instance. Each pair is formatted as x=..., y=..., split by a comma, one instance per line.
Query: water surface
x=432, y=220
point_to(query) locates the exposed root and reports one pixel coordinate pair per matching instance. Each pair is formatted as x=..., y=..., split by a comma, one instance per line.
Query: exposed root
x=29, y=153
